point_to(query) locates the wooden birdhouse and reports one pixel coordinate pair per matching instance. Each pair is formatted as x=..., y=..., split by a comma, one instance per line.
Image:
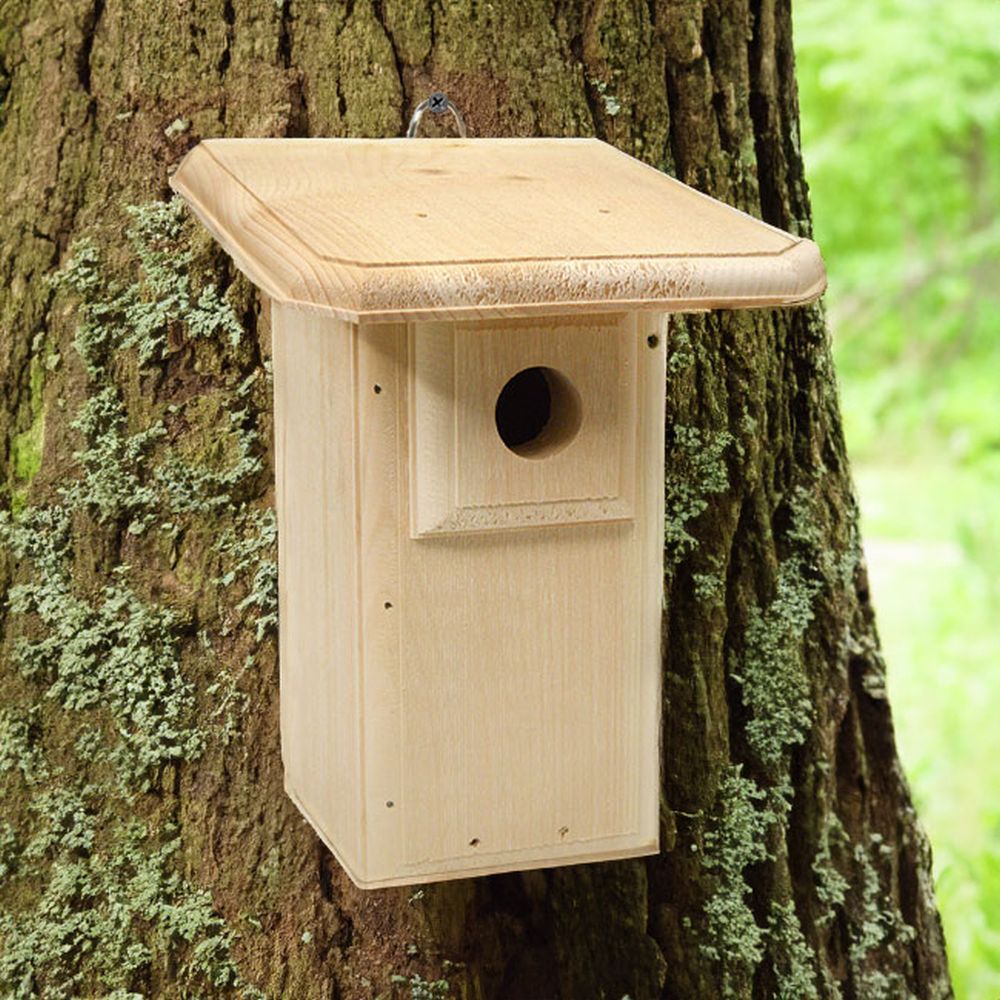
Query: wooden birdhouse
x=469, y=385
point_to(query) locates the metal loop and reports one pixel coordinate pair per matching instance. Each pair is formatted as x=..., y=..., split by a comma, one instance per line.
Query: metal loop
x=437, y=104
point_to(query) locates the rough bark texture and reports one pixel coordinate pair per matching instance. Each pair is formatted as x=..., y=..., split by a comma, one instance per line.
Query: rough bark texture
x=146, y=846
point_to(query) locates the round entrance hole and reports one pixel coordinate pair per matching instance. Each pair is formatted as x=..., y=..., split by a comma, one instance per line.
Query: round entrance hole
x=538, y=412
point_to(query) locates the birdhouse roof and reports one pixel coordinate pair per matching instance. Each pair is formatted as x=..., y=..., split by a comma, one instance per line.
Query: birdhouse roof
x=395, y=229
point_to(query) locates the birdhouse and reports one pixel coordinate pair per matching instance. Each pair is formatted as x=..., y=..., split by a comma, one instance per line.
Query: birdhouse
x=469, y=382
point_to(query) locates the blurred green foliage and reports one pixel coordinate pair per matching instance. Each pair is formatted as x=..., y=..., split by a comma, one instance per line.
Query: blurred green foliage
x=900, y=106
x=900, y=103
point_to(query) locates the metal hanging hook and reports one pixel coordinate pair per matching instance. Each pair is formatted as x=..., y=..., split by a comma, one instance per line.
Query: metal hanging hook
x=438, y=103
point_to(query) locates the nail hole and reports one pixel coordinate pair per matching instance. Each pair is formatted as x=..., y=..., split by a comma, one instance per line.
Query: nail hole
x=604, y=211
x=377, y=388
x=653, y=340
x=563, y=830
x=421, y=215
x=389, y=804
x=474, y=842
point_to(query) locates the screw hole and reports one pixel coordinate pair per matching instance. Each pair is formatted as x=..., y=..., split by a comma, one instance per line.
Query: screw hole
x=653, y=340
x=474, y=842
x=376, y=388
x=389, y=804
x=387, y=605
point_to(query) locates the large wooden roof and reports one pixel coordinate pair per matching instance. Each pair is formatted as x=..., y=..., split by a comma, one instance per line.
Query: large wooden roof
x=389, y=229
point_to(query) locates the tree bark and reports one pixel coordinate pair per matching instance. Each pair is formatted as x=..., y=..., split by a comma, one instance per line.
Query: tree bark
x=146, y=844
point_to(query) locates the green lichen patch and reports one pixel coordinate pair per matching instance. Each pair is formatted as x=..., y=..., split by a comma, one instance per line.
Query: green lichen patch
x=114, y=464
x=140, y=314
x=831, y=886
x=230, y=701
x=10, y=852
x=710, y=587
x=733, y=937
x=247, y=550
x=204, y=477
x=85, y=929
x=19, y=745
x=423, y=989
x=105, y=712
x=769, y=669
x=791, y=958
x=695, y=470
x=680, y=349
x=878, y=929
x=115, y=656
x=768, y=665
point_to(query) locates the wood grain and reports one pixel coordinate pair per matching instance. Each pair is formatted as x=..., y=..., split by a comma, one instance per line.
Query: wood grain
x=374, y=230
x=320, y=633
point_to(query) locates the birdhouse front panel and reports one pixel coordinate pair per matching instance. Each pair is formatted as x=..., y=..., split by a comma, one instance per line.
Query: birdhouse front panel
x=469, y=381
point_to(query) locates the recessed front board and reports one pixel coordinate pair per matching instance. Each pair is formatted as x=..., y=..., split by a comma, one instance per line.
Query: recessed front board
x=470, y=637
x=464, y=477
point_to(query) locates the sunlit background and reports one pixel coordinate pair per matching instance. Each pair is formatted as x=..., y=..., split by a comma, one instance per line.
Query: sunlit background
x=900, y=104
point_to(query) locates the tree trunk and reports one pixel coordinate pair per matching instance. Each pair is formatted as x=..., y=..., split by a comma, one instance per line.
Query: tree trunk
x=146, y=844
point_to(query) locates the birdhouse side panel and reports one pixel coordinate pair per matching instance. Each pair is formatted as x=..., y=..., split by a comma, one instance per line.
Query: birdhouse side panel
x=380, y=375
x=316, y=473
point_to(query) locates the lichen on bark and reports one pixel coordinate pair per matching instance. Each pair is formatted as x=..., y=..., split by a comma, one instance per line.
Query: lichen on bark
x=91, y=896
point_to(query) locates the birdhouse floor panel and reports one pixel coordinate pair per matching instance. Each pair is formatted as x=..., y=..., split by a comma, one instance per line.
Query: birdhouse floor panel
x=613, y=849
